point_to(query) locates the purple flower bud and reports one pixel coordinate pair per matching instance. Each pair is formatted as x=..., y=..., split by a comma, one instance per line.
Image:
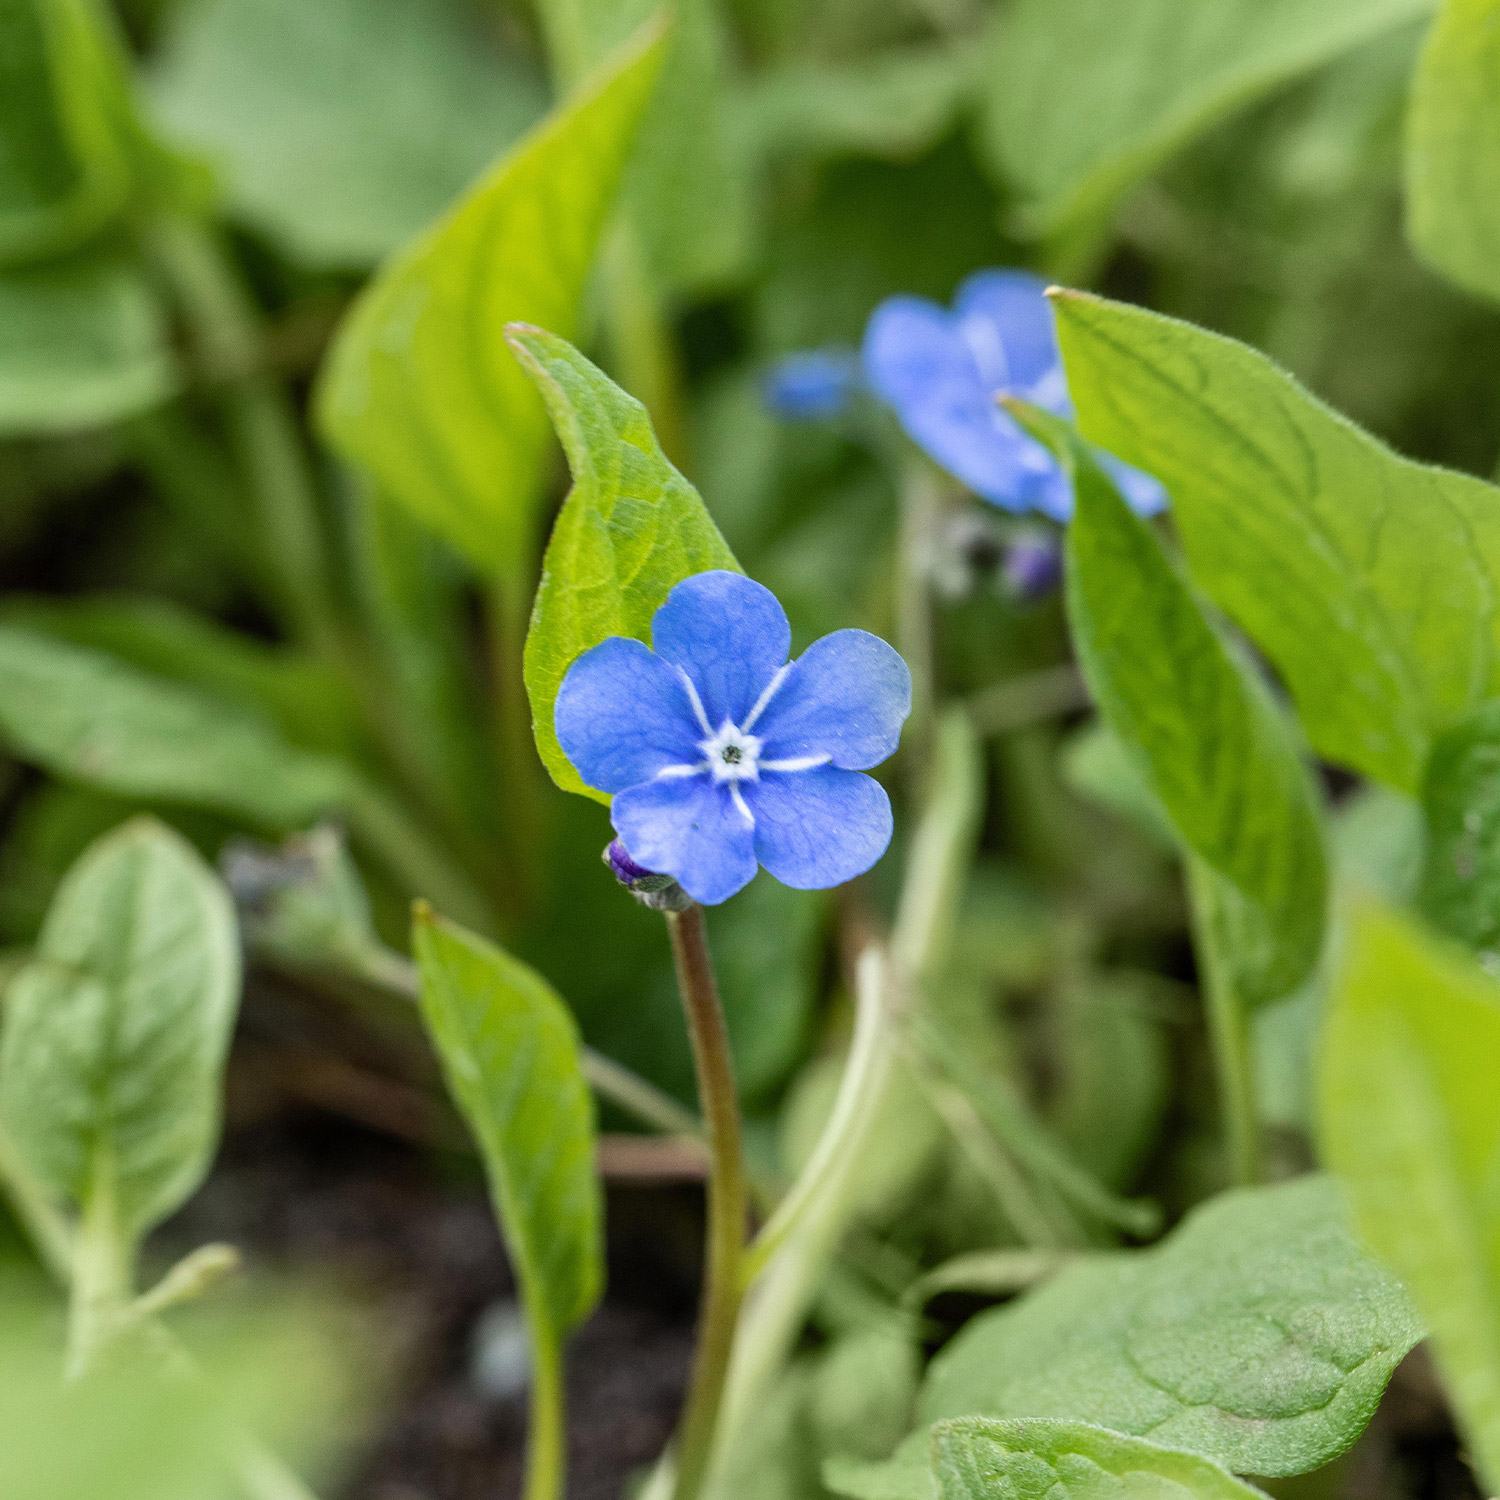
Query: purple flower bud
x=649, y=887
x=1033, y=566
x=811, y=384
x=624, y=868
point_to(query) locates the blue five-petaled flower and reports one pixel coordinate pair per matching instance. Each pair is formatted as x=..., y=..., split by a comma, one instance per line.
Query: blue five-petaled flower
x=941, y=372
x=720, y=754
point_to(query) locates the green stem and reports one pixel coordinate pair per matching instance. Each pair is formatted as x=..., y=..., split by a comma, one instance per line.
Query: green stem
x=225, y=328
x=727, y=1204
x=1228, y=1029
x=546, y=1433
x=101, y=1271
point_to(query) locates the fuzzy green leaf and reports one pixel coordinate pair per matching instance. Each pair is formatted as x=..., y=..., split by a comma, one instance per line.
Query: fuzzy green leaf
x=1411, y=1121
x=631, y=528
x=1453, y=147
x=115, y=1034
x=980, y=1459
x=1258, y=1335
x=1085, y=98
x=1460, y=890
x=509, y=1051
x=1215, y=750
x=419, y=387
x=1367, y=579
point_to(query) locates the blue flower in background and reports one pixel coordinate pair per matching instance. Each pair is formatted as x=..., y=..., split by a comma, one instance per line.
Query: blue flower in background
x=812, y=383
x=940, y=372
x=719, y=753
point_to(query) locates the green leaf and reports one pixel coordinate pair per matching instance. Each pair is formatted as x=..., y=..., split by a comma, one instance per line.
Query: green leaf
x=341, y=164
x=1257, y=1335
x=979, y=1459
x=1411, y=1121
x=419, y=387
x=115, y=1035
x=687, y=190
x=1460, y=890
x=1453, y=147
x=1368, y=580
x=83, y=342
x=631, y=528
x=509, y=1051
x=1213, y=746
x=1088, y=97
x=89, y=718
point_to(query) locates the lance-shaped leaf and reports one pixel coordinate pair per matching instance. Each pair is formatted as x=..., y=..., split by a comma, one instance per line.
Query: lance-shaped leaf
x=1368, y=580
x=1258, y=1334
x=1087, y=97
x=631, y=528
x=1204, y=731
x=419, y=387
x=115, y=1034
x=1411, y=1121
x=1453, y=147
x=982, y=1459
x=509, y=1051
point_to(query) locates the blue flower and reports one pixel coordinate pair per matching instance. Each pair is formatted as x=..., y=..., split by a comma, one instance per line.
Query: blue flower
x=719, y=753
x=941, y=372
x=811, y=383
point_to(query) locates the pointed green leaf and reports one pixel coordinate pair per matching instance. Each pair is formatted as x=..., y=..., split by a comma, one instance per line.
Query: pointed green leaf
x=979, y=1459
x=509, y=1051
x=631, y=528
x=83, y=342
x=1258, y=1334
x=115, y=1035
x=1411, y=1121
x=1214, y=749
x=1368, y=580
x=1087, y=97
x=1453, y=147
x=419, y=387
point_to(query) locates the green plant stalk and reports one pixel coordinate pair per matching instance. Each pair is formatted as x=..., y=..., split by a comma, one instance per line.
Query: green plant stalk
x=546, y=1430
x=921, y=506
x=103, y=1256
x=727, y=1199
x=1228, y=1030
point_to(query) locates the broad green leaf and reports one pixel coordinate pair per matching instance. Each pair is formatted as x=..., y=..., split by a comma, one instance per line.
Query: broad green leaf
x=66, y=163
x=1258, y=1335
x=1460, y=891
x=1088, y=97
x=982, y=1459
x=89, y=718
x=1368, y=579
x=341, y=128
x=686, y=189
x=1453, y=147
x=631, y=528
x=1411, y=1121
x=83, y=342
x=112, y=1055
x=419, y=387
x=1213, y=747
x=509, y=1051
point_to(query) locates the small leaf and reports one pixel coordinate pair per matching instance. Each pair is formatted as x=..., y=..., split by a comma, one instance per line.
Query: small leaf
x=1258, y=1335
x=83, y=342
x=1460, y=891
x=1088, y=97
x=419, y=387
x=1453, y=147
x=1411, y=1121
x=341, y=164
x=115, y=1035
x=87, y=717
x=1368, y=580
x=980, y=1459
x=509, y=1051
x=631, y=528
x=1213, y=747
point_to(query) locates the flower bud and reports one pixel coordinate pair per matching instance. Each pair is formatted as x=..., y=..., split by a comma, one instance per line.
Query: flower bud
x=659, y=892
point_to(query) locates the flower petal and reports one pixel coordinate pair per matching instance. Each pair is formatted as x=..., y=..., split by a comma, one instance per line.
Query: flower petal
x=919, y=362
x=622, y=713
x=1014, y=306
x=689, y=828
x=729, y=634
x=845, y=697
x=819, y=828
x=1145, y=494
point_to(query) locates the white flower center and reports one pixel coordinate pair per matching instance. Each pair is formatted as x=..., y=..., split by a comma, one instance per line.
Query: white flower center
x=732, y=754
